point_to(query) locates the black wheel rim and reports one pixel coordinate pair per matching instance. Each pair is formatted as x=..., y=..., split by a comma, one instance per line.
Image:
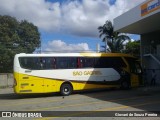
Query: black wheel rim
x=66, y=90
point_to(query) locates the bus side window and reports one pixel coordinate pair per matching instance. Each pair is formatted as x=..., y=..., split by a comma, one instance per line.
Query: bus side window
x=53, y=63
x=80, y=63
x=48, y=64
x=88, y=62
x=72, y=62
x=41, y=63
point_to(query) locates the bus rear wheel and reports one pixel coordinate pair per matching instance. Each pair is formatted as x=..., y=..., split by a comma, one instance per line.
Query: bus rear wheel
x=66, y=89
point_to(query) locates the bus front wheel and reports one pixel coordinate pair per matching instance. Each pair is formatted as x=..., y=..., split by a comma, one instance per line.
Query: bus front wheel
x=66, y=89
x=125, y=85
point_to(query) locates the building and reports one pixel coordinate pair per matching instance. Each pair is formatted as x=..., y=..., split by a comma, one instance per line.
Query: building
x=144, y=20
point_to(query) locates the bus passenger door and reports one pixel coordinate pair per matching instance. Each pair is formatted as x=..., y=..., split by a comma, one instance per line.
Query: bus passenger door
x=134, y=80
x=136, y=74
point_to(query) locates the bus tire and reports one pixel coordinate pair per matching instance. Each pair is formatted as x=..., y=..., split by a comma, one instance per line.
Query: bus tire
x=66, y=89
x=125, y=85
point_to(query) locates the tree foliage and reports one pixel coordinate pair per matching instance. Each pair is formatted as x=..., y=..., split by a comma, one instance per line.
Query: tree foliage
x=133, y=48
x=114, y=40
x=16, y=37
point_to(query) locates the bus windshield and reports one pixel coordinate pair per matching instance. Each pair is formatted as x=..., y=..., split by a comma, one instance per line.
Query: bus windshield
x=134, y=66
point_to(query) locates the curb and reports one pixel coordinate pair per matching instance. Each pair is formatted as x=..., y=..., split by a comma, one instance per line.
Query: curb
x=149, y=89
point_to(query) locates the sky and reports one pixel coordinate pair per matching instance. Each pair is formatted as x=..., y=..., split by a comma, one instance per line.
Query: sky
x=68, y=25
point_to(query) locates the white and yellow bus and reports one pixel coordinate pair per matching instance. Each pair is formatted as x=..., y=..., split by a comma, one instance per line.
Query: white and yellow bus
x=68, y=72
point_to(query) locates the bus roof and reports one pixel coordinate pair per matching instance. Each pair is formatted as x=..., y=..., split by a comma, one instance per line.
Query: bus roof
x=76, y=55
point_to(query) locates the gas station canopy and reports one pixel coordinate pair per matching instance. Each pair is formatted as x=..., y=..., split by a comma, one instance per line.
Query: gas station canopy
x=142, y=19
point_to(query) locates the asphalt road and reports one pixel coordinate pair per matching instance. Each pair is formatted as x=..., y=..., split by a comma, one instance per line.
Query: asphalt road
x=95, y=105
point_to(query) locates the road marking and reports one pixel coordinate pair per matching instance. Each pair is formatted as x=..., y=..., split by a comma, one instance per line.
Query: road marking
x=104, y=109
x=82, y=104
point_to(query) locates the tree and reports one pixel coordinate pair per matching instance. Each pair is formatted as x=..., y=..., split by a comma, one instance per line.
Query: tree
x=16, y=37
x=114, y=40
x=133, y=48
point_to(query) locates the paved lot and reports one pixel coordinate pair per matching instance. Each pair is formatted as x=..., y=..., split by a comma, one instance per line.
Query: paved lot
x=86, y=104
